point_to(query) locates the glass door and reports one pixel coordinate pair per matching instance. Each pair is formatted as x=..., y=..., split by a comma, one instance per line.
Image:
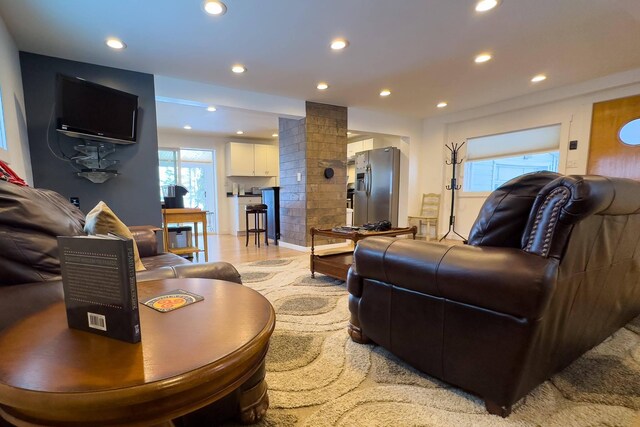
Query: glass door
x=195, y=170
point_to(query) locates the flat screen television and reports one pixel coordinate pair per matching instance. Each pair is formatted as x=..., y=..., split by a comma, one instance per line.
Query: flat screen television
x=92, y=111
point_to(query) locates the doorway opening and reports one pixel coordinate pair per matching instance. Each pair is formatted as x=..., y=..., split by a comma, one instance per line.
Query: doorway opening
x=195, y=170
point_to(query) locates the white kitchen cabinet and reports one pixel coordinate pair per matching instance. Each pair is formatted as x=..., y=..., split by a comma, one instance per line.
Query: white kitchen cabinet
x=237, y=206
x=251, y=159
x=266, y=160
x=358, y=146
x=239, y=159
x=367, y=144
x=273, y=160
x=352, y=149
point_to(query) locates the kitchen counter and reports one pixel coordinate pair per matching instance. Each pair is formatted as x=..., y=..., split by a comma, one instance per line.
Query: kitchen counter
x=237, y=206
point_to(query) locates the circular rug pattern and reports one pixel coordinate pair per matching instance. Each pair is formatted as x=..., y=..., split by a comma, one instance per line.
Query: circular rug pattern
x=257, y=276
x=272, y=262
x=320, y=281
x=305, y=305
x=289, y=350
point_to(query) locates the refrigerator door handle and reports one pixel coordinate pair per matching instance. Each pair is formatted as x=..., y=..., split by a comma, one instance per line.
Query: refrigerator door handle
x=368, y=182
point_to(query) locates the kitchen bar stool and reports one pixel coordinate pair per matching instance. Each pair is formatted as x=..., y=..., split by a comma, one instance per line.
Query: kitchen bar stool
x=259, y=213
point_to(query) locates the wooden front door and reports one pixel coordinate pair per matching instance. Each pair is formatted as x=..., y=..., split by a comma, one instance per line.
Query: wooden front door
x=607, y=154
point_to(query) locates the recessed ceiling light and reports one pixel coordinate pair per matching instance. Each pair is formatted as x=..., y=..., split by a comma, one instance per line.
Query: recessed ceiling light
x=275, y=135
x=214, y=7
x=441, y=104
x=322, y=86
x=483, y=57
x=484, y=5
x=187, y=127
x=114, y=43
x=339, y=44
x=385, y=92
x=238, y=69
x=211, y=108
x=239, y=132
x=538, y=78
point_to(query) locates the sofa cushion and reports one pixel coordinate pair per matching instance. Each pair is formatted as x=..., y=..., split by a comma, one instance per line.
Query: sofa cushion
x=166, y=259
x=146, y=239
x=505, y=212
x=30, y=221
x=102, y=220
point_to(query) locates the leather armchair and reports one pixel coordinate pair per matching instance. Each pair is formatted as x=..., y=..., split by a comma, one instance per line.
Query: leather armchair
x=551, y=269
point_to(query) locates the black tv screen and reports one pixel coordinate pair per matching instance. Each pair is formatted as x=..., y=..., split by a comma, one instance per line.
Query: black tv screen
x=94, y=111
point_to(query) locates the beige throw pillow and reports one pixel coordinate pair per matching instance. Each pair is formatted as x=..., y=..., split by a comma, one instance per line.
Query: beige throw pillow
x=102, y=220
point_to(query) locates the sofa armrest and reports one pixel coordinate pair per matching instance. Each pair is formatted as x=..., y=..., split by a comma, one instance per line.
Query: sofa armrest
x=146, y=239
x=208, y=270
x=507, y=280
x=411, y=264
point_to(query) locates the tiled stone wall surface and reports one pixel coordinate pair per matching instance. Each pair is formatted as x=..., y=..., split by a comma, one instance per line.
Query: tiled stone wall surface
x=293, y=148
x=308, y=146
x=326, y=133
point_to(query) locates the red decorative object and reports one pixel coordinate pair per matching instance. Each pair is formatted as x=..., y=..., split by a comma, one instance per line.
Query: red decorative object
x=7, y=174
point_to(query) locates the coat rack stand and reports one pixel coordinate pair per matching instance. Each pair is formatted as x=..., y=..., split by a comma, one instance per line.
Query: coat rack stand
x=454, y=149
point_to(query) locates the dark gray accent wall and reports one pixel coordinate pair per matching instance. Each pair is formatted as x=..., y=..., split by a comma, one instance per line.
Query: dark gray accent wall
x=133, y=194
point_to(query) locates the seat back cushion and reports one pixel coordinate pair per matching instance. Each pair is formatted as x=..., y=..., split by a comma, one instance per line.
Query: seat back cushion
x=30, y=221
x=505, y=213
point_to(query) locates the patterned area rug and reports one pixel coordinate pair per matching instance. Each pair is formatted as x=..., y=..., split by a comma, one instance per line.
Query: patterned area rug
x=318, y=377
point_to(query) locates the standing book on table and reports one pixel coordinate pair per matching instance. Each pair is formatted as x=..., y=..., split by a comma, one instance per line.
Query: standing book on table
x=99, y=281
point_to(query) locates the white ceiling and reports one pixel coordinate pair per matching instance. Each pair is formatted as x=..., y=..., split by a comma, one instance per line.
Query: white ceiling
x=224, y=122
x=420, y=49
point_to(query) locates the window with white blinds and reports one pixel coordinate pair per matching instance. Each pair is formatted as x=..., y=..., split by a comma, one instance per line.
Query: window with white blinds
x=493, y=160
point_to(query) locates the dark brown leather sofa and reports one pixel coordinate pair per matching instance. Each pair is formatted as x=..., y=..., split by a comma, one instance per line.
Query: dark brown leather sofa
x=30, y=221
x=551, y=269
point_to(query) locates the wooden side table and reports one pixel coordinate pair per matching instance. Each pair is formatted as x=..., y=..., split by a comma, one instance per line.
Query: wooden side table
x=336, y=263
x=188, y=358
x=189, y=215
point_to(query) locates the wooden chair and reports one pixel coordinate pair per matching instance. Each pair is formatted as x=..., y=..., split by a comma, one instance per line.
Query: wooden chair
x=429, y=212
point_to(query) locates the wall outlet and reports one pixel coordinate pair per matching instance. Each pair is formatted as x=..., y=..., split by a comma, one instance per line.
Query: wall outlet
x=572, y=164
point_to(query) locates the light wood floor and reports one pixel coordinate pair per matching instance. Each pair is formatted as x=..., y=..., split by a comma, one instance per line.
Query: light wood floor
x=225, y=247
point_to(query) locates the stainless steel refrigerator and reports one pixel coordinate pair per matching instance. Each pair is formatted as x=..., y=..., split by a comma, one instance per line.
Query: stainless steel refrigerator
x=377, y=185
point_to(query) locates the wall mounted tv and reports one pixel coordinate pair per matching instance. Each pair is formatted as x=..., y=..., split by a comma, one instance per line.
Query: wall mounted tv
x=92, y=111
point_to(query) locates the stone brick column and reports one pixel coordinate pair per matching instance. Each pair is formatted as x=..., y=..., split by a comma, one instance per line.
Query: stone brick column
x=309, y=146
x=326, y=148
x=293, y=193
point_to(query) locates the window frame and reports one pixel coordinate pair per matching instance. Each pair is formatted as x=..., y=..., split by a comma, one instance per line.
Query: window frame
x=4, y=145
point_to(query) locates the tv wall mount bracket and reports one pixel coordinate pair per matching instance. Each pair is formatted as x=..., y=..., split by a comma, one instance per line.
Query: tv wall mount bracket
x=92, y=159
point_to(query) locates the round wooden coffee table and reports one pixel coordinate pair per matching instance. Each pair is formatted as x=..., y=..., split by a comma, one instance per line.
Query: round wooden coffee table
x=188, y=358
